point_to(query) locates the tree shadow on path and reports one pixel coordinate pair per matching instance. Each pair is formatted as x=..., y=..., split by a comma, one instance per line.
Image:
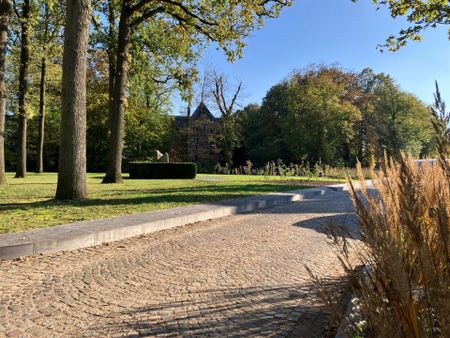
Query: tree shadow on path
x=292, y=310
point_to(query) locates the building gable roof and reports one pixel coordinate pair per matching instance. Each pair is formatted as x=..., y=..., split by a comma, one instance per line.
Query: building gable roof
x=203, y=111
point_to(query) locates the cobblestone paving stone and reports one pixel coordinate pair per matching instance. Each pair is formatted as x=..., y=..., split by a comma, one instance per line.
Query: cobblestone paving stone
x=237, y=276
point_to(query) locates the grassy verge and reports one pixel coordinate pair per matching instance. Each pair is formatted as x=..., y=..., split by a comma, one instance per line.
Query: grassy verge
x=28, y=203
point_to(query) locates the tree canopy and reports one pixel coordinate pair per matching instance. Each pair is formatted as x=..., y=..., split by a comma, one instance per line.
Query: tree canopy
x=328, y=114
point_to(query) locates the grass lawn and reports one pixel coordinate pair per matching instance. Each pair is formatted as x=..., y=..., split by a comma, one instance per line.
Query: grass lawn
x=28, y=203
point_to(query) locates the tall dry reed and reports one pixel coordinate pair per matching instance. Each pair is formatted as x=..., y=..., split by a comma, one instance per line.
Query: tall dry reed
x=402, y=287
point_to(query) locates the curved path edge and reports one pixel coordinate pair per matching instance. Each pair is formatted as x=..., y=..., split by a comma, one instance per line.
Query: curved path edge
x=90, y=233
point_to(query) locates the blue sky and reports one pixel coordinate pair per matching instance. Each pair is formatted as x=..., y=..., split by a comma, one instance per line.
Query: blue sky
x=335, y=31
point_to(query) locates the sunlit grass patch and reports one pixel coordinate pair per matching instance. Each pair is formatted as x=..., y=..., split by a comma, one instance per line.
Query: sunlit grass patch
x=28, y=203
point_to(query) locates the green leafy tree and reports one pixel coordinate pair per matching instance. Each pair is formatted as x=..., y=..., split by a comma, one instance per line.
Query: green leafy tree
x=263, y=127
x=366, y=140
x=43, y=83
x=310, y=116
x=401, y=120
x=97, y=110
x=226, y=22
x=156, y=70
x=321, y=117
x=147, y=119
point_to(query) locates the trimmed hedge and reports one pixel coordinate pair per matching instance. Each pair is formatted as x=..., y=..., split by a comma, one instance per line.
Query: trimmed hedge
x=157, y=170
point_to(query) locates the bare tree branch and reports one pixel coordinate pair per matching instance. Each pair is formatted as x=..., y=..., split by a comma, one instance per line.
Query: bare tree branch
x=220, y=96
x=138, y=6
x=236, y=94
x=190, y=13
x=16, y=10
x=164, y=81
x=146, y=15
x=183, y=22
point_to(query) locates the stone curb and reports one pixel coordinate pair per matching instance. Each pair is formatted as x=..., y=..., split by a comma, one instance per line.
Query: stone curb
x=345, y=324
x=90, y=233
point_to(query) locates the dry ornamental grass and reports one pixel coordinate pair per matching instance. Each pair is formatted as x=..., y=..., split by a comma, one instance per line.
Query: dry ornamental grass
x=403, y=290
x=402, y=285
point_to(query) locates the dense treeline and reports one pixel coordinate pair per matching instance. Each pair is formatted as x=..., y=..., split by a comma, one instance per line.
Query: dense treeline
x=319, y=114
x=327, y=114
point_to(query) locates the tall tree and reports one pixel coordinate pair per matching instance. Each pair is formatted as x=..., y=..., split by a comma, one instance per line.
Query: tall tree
x=48, y=30
x=117, y=114
x=401, y=120
x=229, y=127
x=227, y=23
x=365, y=134
x=5, y=11
x=321, y=115
x=23, y=15
x=160, y=62
x=263, y=127
x=72, y=159
x=147, y=121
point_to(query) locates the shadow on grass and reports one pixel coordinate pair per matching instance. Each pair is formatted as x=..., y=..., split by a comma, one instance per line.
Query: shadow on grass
x=291, y=311
x=251, y=188
x=18, y=183
x=157, y=196
x=97, y=176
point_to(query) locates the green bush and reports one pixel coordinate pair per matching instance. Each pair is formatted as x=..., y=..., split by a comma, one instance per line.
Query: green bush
x=158, y=170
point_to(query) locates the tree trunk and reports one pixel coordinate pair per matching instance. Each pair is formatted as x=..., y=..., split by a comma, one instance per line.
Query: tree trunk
x=40, y=145
x=111, y=59
x=5, y=9
x=72, y=152
x=188, y=132
x=23, y=89
x=117, y=116
x=227, y=142
x=42, y=89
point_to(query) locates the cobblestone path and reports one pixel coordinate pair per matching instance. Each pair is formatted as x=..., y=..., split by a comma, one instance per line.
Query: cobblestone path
x=237, y=276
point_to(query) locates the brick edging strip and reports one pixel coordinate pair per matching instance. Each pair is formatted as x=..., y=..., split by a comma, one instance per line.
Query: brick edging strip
x=90, y=233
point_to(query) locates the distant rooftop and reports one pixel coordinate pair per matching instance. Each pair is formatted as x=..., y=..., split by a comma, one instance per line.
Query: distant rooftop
x=201, y=111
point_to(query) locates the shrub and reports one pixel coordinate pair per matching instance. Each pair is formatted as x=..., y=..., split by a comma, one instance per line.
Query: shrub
x=156, y=170
x=279, y=168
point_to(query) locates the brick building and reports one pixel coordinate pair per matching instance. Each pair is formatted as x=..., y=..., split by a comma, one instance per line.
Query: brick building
x=198, y=134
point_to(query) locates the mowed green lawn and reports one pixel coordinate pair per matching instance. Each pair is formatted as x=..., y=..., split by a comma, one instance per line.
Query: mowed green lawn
x=28, y=203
